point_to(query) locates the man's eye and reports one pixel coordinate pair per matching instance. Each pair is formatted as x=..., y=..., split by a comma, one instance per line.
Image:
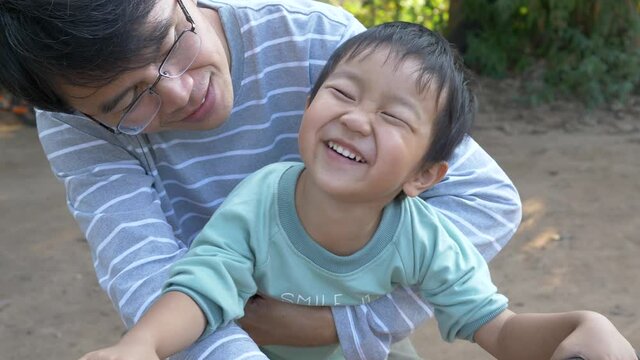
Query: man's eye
x=176, y=34
x=129, y=106
x=167, y=45
x=129, y=101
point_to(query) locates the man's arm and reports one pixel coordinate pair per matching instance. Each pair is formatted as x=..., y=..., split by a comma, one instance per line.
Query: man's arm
x=268, y=321
x=479, y=198
x=115, y=203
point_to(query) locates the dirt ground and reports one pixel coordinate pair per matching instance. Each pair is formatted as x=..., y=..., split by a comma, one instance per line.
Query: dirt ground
x=577, y=248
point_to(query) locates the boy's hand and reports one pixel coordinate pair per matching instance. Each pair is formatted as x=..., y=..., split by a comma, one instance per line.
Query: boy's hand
x=119, y=352
x=172, y=324
x=595, y=338
x=124, y=350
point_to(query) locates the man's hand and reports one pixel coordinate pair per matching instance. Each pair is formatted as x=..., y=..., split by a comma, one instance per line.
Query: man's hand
x=272, y=322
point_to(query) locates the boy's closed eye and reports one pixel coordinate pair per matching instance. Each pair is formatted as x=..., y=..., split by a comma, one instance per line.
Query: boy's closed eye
x=342, y=93
x=393, y=119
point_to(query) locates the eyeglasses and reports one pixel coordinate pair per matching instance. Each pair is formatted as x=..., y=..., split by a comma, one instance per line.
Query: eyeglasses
x=147, y=104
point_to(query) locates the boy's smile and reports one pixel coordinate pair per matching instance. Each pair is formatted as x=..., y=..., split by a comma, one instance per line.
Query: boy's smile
x=366, y=132
x=346, y=152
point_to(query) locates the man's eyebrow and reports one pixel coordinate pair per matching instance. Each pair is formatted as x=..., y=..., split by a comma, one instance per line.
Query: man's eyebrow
x=109, y=105
x=157, y=36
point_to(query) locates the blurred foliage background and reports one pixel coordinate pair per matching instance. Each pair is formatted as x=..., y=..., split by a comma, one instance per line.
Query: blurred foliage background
x=584, y=49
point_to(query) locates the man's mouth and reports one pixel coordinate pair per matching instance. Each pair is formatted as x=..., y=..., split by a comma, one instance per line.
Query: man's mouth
x=205, y=106
x=345, y=152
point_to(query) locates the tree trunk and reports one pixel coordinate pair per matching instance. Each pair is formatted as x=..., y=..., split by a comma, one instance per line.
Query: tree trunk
x=455, y=30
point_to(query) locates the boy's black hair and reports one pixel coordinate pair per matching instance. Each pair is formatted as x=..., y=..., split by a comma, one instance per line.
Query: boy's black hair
x=79, y=42
x=441, y=69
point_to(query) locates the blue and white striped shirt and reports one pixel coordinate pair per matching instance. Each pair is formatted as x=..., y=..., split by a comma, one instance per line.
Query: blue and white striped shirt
x=141, y=200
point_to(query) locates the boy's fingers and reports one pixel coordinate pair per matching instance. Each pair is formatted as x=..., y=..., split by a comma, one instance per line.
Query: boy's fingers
x=581, y=358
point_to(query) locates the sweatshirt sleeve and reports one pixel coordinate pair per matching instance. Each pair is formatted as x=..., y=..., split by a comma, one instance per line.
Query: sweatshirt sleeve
x=452, y=275
x=115, y=203
x=482, y=202
x=218, y=270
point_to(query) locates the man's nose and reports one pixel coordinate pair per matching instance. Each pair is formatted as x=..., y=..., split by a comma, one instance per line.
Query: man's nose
x=175, y=92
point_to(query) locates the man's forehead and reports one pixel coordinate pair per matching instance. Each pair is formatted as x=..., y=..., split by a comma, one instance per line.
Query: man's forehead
x=160, y=20
x=163, y=11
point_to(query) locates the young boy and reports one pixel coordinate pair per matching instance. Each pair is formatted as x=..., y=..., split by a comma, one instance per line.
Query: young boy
x=347, y=226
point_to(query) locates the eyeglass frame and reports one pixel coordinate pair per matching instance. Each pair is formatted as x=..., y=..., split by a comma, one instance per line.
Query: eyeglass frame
x=117, y=129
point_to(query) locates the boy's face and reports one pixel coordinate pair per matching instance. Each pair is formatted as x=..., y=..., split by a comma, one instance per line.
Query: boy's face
x=200, y=99
x=367, y=130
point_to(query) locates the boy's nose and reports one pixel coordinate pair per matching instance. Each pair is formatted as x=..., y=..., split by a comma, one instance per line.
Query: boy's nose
x=358, y=121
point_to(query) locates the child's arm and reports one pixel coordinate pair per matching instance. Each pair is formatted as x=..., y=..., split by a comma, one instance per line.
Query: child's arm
x=553, y=336
x=172, y=324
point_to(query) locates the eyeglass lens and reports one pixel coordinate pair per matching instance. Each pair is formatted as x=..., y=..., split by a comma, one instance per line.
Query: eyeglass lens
x=182, y=55
x=146, y=107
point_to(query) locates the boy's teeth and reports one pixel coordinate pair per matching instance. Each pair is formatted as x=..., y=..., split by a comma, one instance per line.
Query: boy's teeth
x=344, y=152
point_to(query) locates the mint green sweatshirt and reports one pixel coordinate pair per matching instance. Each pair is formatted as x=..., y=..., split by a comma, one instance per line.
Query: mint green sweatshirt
x=256, y=243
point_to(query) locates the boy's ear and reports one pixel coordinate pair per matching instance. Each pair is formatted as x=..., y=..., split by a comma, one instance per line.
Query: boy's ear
x=306, y=105
x=425, y=178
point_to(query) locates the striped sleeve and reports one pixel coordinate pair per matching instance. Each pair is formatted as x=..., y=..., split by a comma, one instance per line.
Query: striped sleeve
x=479, y=198
x=114, y=201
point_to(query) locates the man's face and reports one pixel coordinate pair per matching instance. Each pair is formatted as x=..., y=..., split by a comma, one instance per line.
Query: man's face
x=200, y=99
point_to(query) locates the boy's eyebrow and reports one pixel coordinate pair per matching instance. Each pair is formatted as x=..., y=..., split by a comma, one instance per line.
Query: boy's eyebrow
x=351, y=75
x=406, y=102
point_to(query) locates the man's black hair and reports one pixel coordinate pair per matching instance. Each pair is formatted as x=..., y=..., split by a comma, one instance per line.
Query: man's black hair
x=441, y=69
x=78, y=42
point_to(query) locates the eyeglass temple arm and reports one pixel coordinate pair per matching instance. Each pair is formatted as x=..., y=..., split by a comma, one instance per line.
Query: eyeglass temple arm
x=187, y=15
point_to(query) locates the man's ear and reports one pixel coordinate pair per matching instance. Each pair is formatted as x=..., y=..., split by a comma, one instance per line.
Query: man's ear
x=425, y=178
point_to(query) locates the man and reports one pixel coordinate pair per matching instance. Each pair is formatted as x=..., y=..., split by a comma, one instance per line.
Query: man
x=156, y=109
